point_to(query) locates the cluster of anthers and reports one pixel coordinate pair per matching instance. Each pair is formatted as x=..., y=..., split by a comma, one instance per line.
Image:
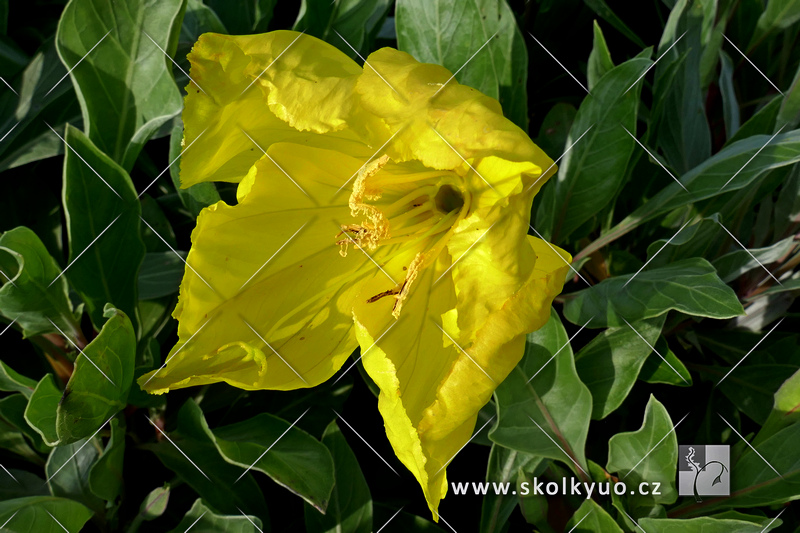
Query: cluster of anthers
x=417, y=210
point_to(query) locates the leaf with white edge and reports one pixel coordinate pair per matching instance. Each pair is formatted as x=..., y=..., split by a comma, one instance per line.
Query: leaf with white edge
x=690, y=286
x=124, y=42
x=555, y=399
x=732, y=265
x=36, y=513
x=33, y=291
x=785, y=410
x=649, y=454
x=42, y=407
x=202, y=519
x=11, y=381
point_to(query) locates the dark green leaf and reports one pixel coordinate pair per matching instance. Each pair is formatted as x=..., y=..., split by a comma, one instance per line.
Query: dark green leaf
x=11, y=381
x=34, y=292
x=27, y=485
x=789, y=114
x=669, y=371
x=601, y=8
x=449, y=33
x=243, y=16
x=600, y=62
x=160, y=275
x=761, y=123
x=350, y=507
x=504, y=467
x=721, y=523
x=555, y=399
x=99, y=385
x=105, y=476
x=201, y=519
x=110, y=213
x=610, y=363
x=779, y=15
x=591, y=518
x=732, y=265
x=555, y=129
x=68, y=470
x=690, y=286
x=125, y=84
x=12, y=411
x=751, y=387
x=42, y=407
x=730, y=105
x=37, y=513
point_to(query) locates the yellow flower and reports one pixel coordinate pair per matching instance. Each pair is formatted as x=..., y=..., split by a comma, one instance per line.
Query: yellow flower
x=385, y=207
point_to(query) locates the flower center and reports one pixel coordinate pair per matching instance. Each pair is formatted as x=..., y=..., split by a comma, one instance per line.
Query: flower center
x=406, y=208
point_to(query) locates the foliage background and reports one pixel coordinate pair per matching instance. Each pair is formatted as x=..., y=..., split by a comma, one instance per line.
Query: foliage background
x=718, y=111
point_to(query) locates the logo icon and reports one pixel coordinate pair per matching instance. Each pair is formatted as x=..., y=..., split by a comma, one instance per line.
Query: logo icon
x=704, y=471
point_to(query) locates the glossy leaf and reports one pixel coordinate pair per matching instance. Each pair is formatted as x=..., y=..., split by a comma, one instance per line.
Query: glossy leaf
x=160, y=275
x=37, y=513
x=116, y=42
x=600, y=62
x=68, y=469
x=785, y=409
x=721, y=523
x=669, y=370
x=42, y=407
x=201, y=518
x=11, y=381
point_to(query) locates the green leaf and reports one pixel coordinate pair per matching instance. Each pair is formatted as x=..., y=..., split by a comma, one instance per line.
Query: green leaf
x=200, y=518
x=610, y=363
x=403, y=521
x=68, y=470
x=11, y=381
x=243, y=16
x=504, y=467
x=102, y=270
x=42, y=407
x=722, y=523
x=99, y=385
x=555, y=399
x=591, y=518
x=649, y=454
x=296, y=461
x=779, y=15
x=789, y=114
x=600, y=62
x=730, y=104
x=449, y=33
x=592, y=173
x=120, y=117
x=160, y=275
x=761, y=123
x=27, y=485
x=12, y=439
x=785, y=409
x=33, y=294
x=690, y=286
x=669, y=371
x=601, y=8
x=198, y=196
x=350, y=507
x=12, y=411
x=213, y=478
x=155, y=503
x=105, y=476
x=752, y=388
x=37, y=513
x=357, y=21
x=732, y=265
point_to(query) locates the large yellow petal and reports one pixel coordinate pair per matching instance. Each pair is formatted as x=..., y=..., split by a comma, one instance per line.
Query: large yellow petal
x=270, y=263
x=279, y=86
